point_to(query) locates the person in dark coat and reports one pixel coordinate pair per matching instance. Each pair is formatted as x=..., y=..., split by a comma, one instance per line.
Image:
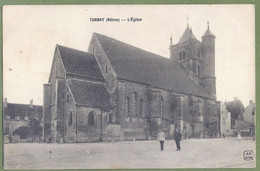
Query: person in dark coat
x=177, y=137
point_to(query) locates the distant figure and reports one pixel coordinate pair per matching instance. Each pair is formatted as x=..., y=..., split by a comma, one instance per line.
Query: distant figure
x=239, y=135
x=177, y=137
x=161, y=138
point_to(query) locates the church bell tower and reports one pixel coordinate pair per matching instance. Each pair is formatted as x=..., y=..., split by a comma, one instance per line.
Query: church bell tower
x=208, y=59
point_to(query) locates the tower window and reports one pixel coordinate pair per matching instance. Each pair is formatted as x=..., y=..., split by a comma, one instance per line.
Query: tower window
x=183, y=55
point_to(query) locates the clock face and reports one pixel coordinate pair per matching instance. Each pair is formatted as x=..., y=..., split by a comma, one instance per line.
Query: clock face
x=111, y=82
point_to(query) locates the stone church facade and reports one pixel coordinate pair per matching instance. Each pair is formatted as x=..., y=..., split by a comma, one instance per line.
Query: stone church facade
x=116, y=91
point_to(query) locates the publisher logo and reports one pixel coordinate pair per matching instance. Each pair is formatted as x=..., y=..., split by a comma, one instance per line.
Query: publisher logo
x=248, y=155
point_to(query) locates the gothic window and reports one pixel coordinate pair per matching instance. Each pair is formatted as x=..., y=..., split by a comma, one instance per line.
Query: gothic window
x=70, y=119
x=141, y=107
x=161, y=107
x=133, y=104
x=91, y=119
x=126, y=106
x=183, y=55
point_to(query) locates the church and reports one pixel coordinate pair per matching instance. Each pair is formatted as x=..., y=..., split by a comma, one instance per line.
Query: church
x=116, y=91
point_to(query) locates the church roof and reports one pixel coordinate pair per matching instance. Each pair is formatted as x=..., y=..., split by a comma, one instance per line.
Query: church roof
x=89, y=94
x=132, y=63
x=208, y=33
x=187, y=35
x=79, y=63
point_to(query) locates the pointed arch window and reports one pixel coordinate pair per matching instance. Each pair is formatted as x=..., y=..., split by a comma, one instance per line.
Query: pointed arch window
x=91, y=119
x=126, y=106
x=161, y=106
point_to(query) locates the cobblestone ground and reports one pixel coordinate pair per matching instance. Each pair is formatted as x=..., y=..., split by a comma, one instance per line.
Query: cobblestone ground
x=196, y=153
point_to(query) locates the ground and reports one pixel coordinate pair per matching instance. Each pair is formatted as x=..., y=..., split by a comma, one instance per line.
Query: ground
x=195, y=153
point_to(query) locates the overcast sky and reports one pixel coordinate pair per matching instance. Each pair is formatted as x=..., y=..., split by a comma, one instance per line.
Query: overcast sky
x=30, y=34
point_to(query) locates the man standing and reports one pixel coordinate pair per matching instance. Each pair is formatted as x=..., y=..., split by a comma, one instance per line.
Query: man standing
x=177, y=137
x=161, y=138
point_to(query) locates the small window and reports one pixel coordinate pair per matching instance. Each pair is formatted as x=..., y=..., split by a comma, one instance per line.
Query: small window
x=198, y=71
x=106, y=69
x=70, y=119
x=180, y=56
x=183, y=56
x=68, y=98
x=91, y=119
x=93, y=50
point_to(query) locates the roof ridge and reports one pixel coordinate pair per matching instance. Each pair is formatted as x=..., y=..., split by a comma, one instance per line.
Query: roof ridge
x=69, y=48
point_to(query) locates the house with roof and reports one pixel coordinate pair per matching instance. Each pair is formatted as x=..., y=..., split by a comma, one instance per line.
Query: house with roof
x=116, y=91
x=18, y=115
x=236, y=108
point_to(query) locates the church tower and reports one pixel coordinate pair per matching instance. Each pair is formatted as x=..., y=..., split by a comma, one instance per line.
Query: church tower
x=197, y=57
x=188, y=52
x=208, y=59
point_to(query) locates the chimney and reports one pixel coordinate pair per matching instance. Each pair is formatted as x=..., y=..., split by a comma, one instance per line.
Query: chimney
x=31, y=103
x=236, y=98
x=5, y=103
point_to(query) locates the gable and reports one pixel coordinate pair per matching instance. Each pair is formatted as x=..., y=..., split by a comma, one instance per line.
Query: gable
x=57, y=68
x=79, y=63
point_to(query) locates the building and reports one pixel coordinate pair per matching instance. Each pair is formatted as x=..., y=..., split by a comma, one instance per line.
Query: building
x=249, y=114
x=18, y=115
x=225, y=121
x=116, y=91
x=236, y=108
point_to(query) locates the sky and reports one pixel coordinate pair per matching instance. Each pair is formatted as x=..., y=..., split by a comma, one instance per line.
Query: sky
x=30, y=34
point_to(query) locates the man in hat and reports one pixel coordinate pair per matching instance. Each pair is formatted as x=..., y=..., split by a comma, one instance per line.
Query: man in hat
x=161, y=138
x=177, y=137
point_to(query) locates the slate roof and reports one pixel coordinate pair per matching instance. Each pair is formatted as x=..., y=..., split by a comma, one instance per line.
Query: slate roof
x=234, y=106
x=22, y=110
x=89, y=94
x=187, y=35
x=208, y=33
x=79, y=62
x=132, y=63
